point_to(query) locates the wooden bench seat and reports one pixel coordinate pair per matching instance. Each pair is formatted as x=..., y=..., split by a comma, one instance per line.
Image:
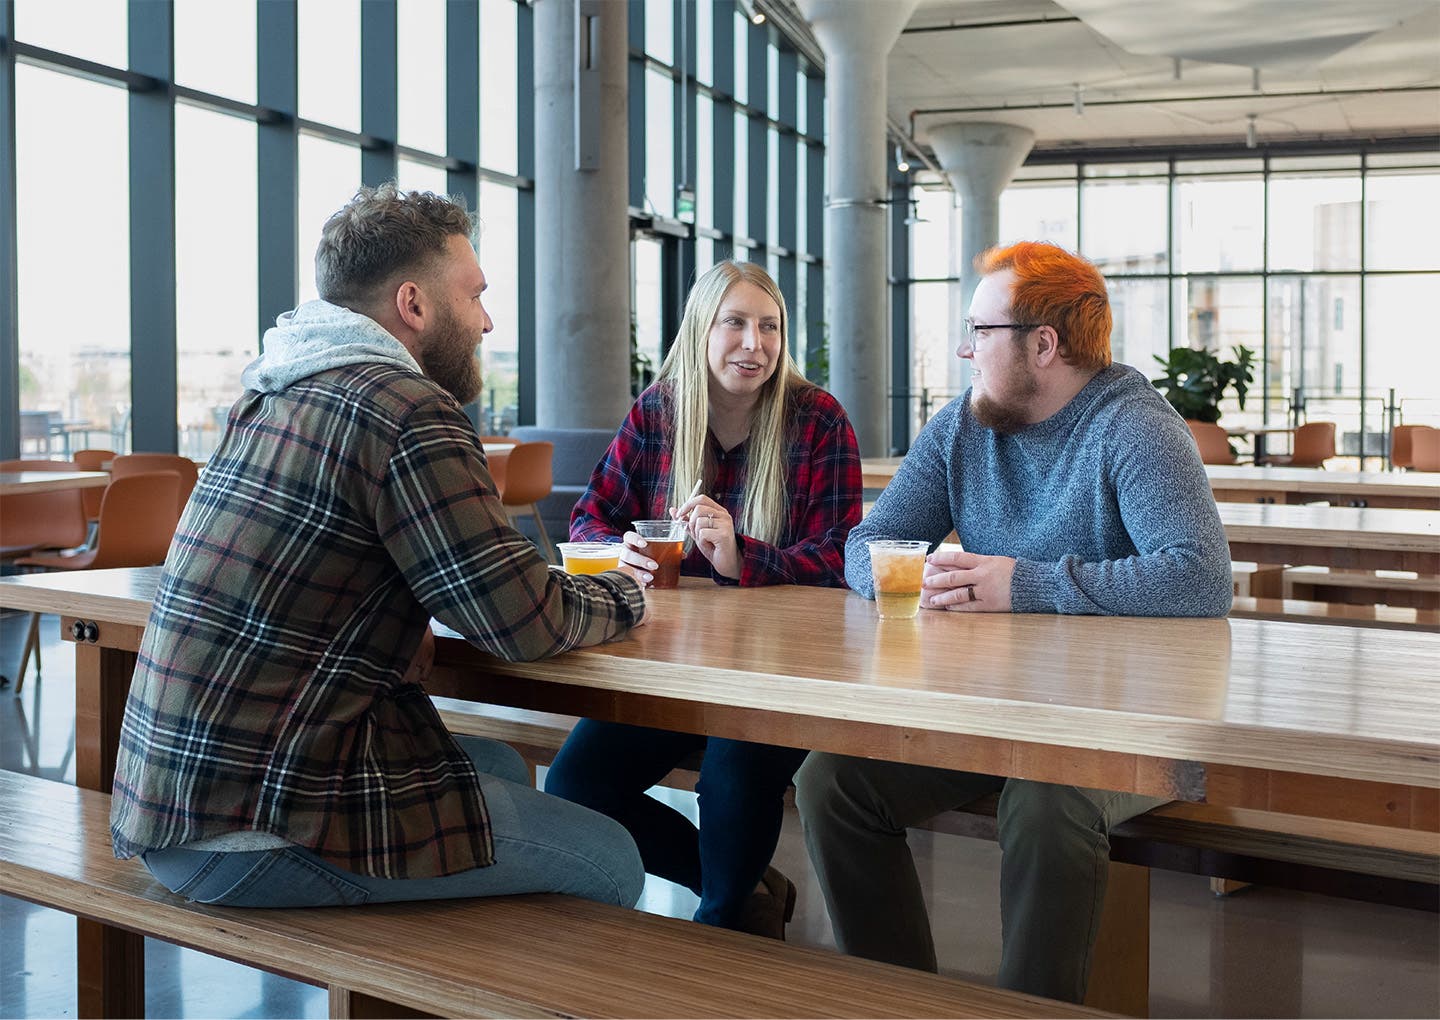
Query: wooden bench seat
x=1375, y=863
x=1360, y=587
x=1305, y=611
x=508, y=956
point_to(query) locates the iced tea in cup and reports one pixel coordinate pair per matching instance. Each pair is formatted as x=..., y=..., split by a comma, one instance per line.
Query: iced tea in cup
x=590, y=557
x=897, y=567
x=665, y=544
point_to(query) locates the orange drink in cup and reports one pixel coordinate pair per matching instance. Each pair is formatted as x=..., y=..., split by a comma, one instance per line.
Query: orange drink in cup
x=897, y=567
x=589, y=557
x=665, y=544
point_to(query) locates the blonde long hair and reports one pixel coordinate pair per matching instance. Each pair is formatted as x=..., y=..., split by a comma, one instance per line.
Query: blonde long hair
x=686, y=372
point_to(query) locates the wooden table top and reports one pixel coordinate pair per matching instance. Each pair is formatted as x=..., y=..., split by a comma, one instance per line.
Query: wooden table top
x=18, y=482
x=1333, y=701
x=1314, y=480
x=877, y=472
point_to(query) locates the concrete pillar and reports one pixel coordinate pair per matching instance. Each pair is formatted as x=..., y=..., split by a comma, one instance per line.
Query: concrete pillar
x=980, y=160
x=857, y=38
x=582, y=264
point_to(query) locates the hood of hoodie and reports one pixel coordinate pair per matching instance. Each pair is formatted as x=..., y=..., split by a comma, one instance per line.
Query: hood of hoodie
x=319, y=336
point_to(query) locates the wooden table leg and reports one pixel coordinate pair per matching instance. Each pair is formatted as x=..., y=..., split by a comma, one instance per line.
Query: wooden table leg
x=110, y=962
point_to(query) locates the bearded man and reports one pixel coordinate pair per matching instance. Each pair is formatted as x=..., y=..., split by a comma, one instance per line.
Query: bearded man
x=278, y=749
x=1074, y=488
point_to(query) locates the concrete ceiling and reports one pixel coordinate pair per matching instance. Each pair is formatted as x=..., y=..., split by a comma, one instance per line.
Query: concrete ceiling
x=1328, y=69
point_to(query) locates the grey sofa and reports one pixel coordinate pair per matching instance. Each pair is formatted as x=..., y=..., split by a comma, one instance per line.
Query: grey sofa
x=577, y=451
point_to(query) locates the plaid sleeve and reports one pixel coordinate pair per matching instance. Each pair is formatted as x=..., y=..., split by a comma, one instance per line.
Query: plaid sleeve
x=623, y=485
x=824, y=506
x=440, y=518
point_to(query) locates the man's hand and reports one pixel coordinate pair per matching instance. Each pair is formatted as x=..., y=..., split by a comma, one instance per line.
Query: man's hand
x=424, y=660
x=966, y=582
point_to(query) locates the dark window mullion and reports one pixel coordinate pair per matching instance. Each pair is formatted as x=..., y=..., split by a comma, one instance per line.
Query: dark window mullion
x=9, y=248
x=379, y=82
x=277, y=160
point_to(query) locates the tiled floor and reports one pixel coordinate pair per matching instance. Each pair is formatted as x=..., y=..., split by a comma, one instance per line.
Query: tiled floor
x=1259, y=953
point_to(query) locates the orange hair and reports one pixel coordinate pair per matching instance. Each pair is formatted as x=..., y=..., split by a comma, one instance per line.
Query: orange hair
x=1059, y=289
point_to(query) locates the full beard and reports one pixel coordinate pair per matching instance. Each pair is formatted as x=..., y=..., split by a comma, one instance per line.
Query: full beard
x=451, y=360
x=1006, y=416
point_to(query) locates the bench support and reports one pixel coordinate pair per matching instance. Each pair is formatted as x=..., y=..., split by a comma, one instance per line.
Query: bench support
x=346, y=1004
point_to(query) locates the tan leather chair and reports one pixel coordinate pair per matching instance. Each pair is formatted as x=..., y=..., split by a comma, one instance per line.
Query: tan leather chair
x=1212, y=442
x=529, y=479
x=40, y=520
x=138, y=515
x=1402, y=449
x=144, y=463
x=1314, y=445
x=1425, y=443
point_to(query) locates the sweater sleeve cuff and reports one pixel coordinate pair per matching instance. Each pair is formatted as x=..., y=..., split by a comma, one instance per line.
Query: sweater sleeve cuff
x=1033, y=587
x=631, y=595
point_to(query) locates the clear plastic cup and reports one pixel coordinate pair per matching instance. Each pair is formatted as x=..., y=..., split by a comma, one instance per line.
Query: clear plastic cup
x=665, y=544
x=898, y=567
x=589, y=557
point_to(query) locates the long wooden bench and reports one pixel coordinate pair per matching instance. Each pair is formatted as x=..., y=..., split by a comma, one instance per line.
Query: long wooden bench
x=1233, y=848
x=1305, y=611
x=508, y=956
x=1362, y=588
x=1376, y=863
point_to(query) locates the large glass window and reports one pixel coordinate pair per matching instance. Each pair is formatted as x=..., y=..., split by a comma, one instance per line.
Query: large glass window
x=1219, y=224
x=742, y=176
x=500, y=350
x=1402, y=219
x=216, y=277
x=329, y=177
x=412, y=175
x=660, y=32
x=1126, y=227
x=1140, y=309
x=97, y=30
x=328, y=39
x=420, y=75
x=660, y=143
x=1039, y=211
x=73, y=272
x=646, y=323
x=215, y=48
x=1314, y=222
x=499, y=132
x=704, y=161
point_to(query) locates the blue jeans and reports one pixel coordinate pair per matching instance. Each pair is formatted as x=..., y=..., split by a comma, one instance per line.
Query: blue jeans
x=609, y=766
x=542, y=844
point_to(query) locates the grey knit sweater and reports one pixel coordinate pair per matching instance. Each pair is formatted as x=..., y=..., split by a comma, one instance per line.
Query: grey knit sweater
x=1105, y=505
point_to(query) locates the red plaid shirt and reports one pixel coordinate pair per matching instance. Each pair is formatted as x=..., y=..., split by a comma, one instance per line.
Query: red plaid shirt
x=632, y=482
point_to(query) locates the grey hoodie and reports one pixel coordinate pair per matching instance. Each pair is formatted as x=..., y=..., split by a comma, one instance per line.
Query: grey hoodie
x=319, y=336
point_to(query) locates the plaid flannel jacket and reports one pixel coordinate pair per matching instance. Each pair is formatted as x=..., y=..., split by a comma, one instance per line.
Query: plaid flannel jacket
x=337, y=517
x=632, y=483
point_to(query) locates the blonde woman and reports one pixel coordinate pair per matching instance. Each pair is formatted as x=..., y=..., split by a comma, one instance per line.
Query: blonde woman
x=778, y=472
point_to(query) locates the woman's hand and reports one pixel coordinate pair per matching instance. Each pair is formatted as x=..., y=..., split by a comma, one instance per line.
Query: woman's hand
x=713, y=530
x=633, y=559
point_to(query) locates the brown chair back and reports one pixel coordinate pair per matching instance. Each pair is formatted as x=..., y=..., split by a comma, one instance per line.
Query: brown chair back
x=1212, y=442
x=41, y=520
x=528, y=476
x=1314, y=444
x=1425, y=443
x=137, y=463
x=1402, y=450
x=93, y=460
x=137, y=520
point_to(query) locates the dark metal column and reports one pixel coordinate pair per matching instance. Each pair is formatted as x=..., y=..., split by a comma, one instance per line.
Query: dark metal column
x=788, y=184
x=899, y=312
x=153, y=418
x=525, y=202
x=724, y=126
x=462, y=115
x=277, y=158
x=9, y=246
x=378, y=87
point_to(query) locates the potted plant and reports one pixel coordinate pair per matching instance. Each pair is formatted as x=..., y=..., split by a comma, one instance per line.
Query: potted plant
x=1195, y=380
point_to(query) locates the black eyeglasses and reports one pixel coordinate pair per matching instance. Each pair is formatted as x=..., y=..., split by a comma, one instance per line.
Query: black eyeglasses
x=975, y=331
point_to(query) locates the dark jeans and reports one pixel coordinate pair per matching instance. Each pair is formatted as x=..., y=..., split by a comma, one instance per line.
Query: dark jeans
x=608, y=767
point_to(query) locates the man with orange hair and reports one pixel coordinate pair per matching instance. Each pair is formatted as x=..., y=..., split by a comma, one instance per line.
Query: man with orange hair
x=1074, y=488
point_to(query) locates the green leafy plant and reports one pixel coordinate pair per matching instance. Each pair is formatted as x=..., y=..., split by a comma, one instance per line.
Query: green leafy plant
x=1195, y=381
x=642, y=369
x=817, y=358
